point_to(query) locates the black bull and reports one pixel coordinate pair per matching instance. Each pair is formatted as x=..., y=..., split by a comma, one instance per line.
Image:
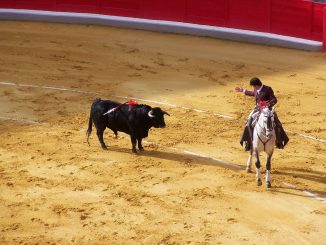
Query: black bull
x=135, y=120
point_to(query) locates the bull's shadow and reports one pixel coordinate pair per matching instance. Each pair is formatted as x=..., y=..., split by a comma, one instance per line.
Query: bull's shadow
x=179, y=157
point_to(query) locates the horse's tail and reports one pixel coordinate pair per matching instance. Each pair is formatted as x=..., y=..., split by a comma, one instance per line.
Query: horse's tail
x=90, y=121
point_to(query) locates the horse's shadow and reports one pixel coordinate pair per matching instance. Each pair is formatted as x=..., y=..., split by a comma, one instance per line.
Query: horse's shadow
x=178, y=157
x=185, y=158
x=311, y=175
x=299, y=191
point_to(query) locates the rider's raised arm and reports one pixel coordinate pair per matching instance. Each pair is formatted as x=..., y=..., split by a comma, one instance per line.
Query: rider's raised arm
x=244, y=91
x=248, y=93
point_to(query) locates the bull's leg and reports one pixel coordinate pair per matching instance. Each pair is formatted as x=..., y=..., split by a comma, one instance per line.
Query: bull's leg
x=99, y=131
x=133, y=142
x=249, y=161
x=115, y=132
x=258, y=174
x=268, y=171
x=100, y=138
x=140, y=146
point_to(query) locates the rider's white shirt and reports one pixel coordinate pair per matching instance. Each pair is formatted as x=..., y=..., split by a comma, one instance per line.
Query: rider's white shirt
x=258, y=91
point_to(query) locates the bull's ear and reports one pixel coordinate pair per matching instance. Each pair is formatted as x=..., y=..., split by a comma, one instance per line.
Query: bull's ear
x=164, y=112
x=150, y=114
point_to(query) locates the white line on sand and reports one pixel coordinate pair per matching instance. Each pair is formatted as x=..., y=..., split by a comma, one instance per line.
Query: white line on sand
x=221, y=162
x=228, y=164
x=19, y=120
x=307, y=136
x=314, y=196
x=306, y=192
x=146, y=100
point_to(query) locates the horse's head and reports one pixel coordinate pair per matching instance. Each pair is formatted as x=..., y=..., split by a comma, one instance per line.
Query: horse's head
x=268, y=121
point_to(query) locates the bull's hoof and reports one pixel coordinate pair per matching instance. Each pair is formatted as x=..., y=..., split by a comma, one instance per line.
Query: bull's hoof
x=104, y=147
x=268, y=184
x=259, y=183
x=134, y=151
x=141, y=148
x=248, y=170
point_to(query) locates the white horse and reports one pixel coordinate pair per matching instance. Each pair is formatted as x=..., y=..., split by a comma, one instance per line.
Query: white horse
x=263, y=140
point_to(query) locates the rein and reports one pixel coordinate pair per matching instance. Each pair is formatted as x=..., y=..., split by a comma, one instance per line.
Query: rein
x=264, y=143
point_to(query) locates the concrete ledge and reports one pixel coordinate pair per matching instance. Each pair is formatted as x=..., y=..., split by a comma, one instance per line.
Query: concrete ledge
x=163, y=26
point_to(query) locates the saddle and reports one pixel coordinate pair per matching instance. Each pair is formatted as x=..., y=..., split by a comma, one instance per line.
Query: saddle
x=254, y=120
x=281, y=137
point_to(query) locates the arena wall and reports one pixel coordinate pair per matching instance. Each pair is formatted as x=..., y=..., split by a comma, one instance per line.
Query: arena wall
x=295, y=18
x=324, y=40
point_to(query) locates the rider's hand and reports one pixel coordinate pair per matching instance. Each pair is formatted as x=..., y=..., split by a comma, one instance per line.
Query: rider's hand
x=239, y=89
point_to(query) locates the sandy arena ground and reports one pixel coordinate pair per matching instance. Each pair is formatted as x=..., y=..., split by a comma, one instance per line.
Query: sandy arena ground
x=55, y=189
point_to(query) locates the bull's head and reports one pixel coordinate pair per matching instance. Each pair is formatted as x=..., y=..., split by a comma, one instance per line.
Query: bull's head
x=157, y=116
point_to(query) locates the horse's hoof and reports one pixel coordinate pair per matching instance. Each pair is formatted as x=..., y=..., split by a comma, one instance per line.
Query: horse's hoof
x=105, y=148
x=268, y=184
x=248, y=170
x=259, y=183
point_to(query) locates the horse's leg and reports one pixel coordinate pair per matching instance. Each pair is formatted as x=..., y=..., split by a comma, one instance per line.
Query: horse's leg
x=268, y=170
x=249, y=161
x=258, y=174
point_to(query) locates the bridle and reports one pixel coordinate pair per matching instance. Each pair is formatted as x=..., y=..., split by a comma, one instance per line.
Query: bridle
x=264, y=128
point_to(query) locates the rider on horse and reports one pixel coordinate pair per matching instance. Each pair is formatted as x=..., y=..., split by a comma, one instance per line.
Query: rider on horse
x=265, y=93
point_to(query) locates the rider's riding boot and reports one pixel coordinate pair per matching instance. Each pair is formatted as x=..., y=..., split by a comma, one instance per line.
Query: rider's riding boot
x=244, y=137
x=279, y=143
x=281, y=137
x=248, y=139
x=247, y=146
x=250, y=129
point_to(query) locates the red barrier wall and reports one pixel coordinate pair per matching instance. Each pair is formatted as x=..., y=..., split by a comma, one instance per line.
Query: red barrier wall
x=297, y=18
x=207, y=12
x=324, y=41
x=292, y=17
x=165, y=10
x=129, y=8
x=317, y=21
x=36, y=4
x=81, y=6
x=7, y=4
x=249, y=15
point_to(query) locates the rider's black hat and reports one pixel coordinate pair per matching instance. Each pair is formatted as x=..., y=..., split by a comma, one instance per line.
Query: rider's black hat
x=255, y=81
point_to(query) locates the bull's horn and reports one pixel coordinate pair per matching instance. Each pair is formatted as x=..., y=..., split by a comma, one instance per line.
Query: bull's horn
x=150, y=114
x=164, y=112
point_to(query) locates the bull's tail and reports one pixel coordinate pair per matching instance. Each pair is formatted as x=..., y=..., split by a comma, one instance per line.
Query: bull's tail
x=89, y=130
x=90, y=122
